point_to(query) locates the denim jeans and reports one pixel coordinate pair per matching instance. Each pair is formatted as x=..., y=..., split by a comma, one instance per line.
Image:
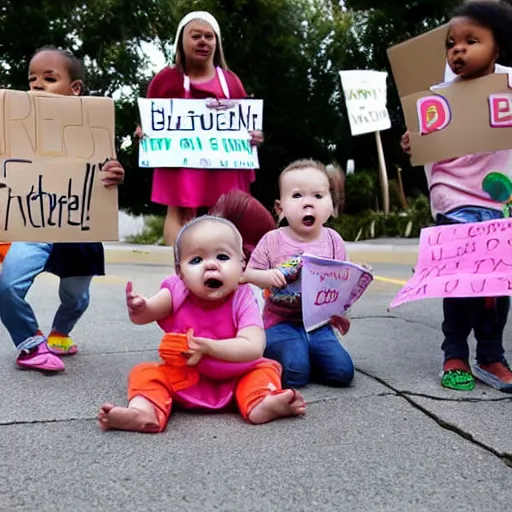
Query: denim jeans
x=23, y=263
x=487, y=317
x=317, y=356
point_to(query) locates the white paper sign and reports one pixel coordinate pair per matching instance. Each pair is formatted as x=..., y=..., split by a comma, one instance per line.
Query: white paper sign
x=329, y=288
x=206, y=134
x=366, y=99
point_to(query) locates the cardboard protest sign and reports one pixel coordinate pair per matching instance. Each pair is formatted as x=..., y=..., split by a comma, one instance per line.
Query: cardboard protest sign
x=462, y=260
x=366, y=98
x=52, y=149
x=451, y=121
x=468, y=117
x=206, y=134
x=329, y=288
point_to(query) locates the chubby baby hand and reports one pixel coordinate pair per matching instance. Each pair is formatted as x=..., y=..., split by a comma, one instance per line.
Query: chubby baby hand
x=405, y=143
x=276, y=279
x=256, y=138
x=198, y=347
x=114, y=173
x=136, y=303
x=342, y=323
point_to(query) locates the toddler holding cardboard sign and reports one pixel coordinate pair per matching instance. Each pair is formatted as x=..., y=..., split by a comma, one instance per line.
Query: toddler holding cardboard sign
x=58, y=72
x=465, y=189
x=213, y=322
x=309, y=194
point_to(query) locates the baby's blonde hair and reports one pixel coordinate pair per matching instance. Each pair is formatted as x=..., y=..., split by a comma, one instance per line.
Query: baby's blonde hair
x=334, y=174
x=195, y=222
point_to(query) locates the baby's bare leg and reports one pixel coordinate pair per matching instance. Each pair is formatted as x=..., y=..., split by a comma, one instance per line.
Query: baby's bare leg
x=281, y=405
x=139, y=416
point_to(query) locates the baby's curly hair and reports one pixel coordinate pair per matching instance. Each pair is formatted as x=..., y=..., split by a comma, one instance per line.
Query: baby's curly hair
x=497, y=17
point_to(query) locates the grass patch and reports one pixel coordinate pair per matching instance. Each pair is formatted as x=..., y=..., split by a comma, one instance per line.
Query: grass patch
x=152, y=233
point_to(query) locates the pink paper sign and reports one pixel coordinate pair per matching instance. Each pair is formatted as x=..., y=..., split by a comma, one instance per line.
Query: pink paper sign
x=329, y=287
x=462, y=260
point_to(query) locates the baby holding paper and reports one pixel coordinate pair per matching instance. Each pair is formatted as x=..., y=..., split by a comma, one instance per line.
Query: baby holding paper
x=214, y=341
x=310, y=194
x=464, y=190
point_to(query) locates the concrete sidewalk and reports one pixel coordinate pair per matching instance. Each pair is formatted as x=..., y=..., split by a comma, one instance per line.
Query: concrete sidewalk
x=386, y=250
x=394, y=441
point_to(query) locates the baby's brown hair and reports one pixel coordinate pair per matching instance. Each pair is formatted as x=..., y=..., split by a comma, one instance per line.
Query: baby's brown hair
x=334, y=174
x=75, y=66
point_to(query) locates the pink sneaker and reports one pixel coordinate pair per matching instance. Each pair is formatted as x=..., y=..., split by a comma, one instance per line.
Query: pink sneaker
x=40, y=358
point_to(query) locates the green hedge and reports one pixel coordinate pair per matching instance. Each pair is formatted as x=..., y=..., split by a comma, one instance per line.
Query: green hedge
x=352, y=227
x=370, y=224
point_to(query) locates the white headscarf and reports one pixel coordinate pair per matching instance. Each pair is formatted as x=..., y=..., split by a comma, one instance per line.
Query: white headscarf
x=195, y=15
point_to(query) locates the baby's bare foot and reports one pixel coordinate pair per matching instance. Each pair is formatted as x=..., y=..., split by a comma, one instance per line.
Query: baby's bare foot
x=287, y=403
x=127, y=418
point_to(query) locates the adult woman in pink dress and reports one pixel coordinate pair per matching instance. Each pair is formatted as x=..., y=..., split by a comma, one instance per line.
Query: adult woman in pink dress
x=199, y=71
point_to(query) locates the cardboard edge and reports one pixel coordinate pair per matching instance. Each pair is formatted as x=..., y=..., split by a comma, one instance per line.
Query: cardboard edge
x=404, y=57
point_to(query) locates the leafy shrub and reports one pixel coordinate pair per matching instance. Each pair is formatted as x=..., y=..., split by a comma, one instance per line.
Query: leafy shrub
x=152, y=234
x=370, y=224
x=361, y=191
x=352, y=227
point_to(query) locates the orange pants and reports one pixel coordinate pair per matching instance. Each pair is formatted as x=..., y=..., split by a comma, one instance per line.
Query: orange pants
x=4, y=247
x=153, y=381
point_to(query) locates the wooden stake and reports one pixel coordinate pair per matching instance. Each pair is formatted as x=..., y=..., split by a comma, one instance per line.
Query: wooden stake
x=383, y=173
x=403, y=199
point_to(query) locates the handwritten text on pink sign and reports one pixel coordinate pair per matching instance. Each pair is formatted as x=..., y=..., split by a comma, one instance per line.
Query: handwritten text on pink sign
x=463, y=260
x=329, y=288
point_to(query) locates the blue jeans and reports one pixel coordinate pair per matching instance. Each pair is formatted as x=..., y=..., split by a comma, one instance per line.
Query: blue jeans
x=23, y=263
x=486, y=318
x=317, y=356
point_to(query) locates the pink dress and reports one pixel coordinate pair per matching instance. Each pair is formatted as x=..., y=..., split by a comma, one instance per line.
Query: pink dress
x=194, y=188
x=218, y=379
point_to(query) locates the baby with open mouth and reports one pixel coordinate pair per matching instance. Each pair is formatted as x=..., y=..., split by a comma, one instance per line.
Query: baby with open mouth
x=309, y=194
x=221, y=363
x=308, y=220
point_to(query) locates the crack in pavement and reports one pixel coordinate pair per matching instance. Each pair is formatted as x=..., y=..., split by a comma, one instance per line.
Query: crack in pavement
x=42, y=422
x=506, y=458
x=320, y=400
x=444, y=399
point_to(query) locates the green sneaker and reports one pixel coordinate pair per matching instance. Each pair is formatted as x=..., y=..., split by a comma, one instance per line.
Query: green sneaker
x=460, y=380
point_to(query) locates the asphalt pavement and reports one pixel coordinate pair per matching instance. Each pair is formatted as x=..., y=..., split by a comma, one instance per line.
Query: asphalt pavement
x=393, y=441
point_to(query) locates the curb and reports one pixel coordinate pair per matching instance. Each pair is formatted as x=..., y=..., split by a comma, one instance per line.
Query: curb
x=122, y=253
x=139, y=254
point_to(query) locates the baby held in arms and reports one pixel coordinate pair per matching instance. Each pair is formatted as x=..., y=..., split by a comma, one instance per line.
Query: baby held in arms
x=214, y=342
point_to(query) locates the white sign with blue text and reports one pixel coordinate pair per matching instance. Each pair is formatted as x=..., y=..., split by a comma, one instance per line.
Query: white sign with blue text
x=204, y=134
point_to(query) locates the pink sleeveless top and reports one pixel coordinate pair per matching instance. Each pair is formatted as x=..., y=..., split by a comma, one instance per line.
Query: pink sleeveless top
x=218, y=379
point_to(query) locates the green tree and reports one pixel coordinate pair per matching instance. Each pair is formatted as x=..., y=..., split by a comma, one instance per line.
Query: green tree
x=288, y=52
x=283, y=51
x=380, y=25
